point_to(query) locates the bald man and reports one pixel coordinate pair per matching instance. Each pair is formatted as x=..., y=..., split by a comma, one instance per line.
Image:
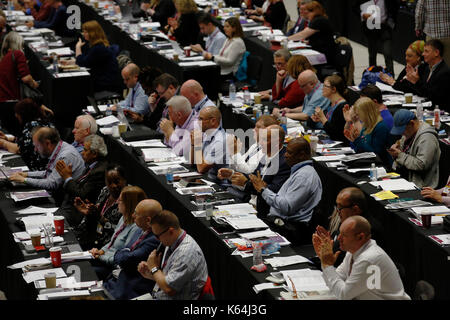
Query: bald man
x=312, y=88
x=292, y=206
x=136, y=100
x=367, y=272
x=127, y=283
x=193, y=91
x=208, y=148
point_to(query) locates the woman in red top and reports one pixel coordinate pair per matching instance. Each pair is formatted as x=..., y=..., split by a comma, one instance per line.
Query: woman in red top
x=11, y=70
x=286, y=90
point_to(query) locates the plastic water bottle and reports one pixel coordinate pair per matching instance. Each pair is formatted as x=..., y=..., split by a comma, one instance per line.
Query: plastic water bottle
x=258, y=113
x=257, y=253
x=283, y=121
x=121, y=115
x=437, y=117
x=154, y=43
x=373, y=172
x=55, y=63
x=419, y=111
x=243, y=7
x=108, y=110
x=232, y=91
x=246, y=95
x=266, y=110
x=208, y=210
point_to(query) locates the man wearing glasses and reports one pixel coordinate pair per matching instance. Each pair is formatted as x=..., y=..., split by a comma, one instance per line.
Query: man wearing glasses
x=280, y=59
x=312, y=88
x=180, y=272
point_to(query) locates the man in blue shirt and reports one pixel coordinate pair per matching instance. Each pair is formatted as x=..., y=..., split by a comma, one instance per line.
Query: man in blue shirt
x=193, y=91
x=215, y=38
x=136, y=99
x=292, y=206
x=312, y=87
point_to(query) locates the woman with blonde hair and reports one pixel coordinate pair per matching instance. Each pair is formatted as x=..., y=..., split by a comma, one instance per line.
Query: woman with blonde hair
x=98, y=55
x=374, y=136
x=319, y=32
x=184, y=27
x=125, y=229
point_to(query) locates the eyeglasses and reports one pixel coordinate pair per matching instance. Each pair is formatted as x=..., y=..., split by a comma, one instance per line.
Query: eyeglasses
x=327, y=86
x=304, y=85
x=160, y=234
x=339, y=209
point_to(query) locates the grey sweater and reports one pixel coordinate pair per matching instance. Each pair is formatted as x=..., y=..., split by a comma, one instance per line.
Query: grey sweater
x=422, y=158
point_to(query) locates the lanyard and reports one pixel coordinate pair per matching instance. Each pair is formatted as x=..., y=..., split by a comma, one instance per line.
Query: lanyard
x=167, y=255
x=226, y=46
x=104, y=209
x=200, y=106
x=331, y=111
x=211, y=38
x=139, y=240
x=50, y=163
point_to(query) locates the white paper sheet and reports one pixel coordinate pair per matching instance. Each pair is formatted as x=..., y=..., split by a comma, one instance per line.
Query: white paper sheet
x=285, y=261
x=158, y=154
x=394, y=185
x=106, y=121
x=60, y=51
x=34, y=209
x=40, y=274
x=146, y=143
x=431, y=210
x=305, y=280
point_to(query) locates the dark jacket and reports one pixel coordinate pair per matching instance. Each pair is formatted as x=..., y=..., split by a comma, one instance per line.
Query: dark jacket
x=437, y=87
x=404, y=85
x=188, y=29
x=334, y=127
x=163, y=11
x=130, y=284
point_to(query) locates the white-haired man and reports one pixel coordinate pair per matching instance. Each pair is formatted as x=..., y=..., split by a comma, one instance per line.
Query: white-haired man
x=84, y=126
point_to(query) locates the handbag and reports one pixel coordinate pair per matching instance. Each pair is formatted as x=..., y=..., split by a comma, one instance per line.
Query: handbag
x=25, y=90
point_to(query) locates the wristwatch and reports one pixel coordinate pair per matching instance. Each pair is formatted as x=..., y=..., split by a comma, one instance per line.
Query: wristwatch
x=154, y=270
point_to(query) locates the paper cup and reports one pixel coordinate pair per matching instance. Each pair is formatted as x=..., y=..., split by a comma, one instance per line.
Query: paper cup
x=50, y=280
x=35, y=239
x=187, y=51
x=59, y=225
x=257, y=98
x=313, y=140
x=408, y=98
x=426, y=220
x=122, y=128
x=175, y=57
x=55, y=255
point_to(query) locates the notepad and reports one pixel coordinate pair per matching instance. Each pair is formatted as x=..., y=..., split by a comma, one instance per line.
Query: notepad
x=394, y=185
x=431, y=210
x=107, y=121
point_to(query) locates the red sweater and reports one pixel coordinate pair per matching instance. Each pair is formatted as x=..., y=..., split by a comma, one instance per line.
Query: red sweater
x=9, y=72
x=291, y=97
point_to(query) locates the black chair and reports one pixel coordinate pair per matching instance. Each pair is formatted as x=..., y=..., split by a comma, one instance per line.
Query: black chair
x=254, y=69
x=286, y=23
x=424, y=291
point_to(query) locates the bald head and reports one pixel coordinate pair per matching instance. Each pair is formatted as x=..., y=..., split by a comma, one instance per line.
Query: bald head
x=307, y=80
x=297, y=150
x=145, y=211
x=210, y=117
x=357, y=224
x=193, y=91
x=354, y=198
x=130, y=74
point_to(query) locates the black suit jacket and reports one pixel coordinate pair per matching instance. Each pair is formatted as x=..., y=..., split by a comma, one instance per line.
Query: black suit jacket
x=437, y=87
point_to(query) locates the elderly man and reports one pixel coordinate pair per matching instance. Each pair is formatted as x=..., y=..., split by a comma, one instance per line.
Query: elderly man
x=127, y=282
x=89, y=184
x=180, y=113
x=193, y=91
x=312, y=87
x=214, y=37
x=181, y=272
x=208, y=150
x=280, y=60
x=292, y=206
x=84, y=126
x=367, y=272
x=272, y=168
x=49, y=145
x=416, y=154
x=136, y=100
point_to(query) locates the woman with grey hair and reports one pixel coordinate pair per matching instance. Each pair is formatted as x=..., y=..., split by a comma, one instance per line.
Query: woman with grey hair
x=91, y=182
x=13, y=66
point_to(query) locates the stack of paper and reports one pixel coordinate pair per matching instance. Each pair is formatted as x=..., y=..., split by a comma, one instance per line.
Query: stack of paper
x=146, y=143
x=174, y=168
x=34, y=209
x=441, y=210
x=286, y=261
x=27, y=195
x=305, y=280
x=394, y=185
x=107, y=121
x=36, y=222
x=32, y=276
x=158, y=154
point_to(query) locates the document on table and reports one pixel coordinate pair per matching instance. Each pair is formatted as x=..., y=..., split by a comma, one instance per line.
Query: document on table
x=305, y=280
x=158, y=154
x=146, y=143
x=394, y=185
x=106, y=121
x=60, y=51
x=329, y=158
x=32, y=276
x=27, y=195
x=166, y=169
x=60, y=283
x=20, y=265
x=431, y=210
x=76, y=255
x=237, y=209
x=358, y=156
x=34, y=209
x=286, y=261
x=248, y=222
x=386, y=88
x=36, y=222
x=265, y=286
x=194, y=190
x=442, y=239
x=43, y=242
x=101, y=107
x=63, y=294
x=197, y=64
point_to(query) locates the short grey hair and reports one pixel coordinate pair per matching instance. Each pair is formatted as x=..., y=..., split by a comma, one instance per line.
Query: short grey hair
x=88, y=121
x=283, y=53
x=13, y=41
x=97, y=145
x=180, y=104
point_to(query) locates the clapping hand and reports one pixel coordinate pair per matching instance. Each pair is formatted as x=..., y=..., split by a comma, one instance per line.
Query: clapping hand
x=257, y=181
x=64, y=170
x=412, y=75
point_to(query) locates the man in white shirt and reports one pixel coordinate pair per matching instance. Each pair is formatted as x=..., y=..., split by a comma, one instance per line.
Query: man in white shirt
x=367, y=272
x=215, y=38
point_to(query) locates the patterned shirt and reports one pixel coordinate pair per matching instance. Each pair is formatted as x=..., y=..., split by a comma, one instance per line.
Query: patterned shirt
x=136, y=100
x=433, y=18
x=25, y=142
x=185, y=270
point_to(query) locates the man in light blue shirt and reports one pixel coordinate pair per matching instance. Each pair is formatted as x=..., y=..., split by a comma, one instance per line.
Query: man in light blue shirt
x=193, y=91
x=215, y=38
x=49, y=145
x=294, y=203
x=312, y=87
x=136, y=100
